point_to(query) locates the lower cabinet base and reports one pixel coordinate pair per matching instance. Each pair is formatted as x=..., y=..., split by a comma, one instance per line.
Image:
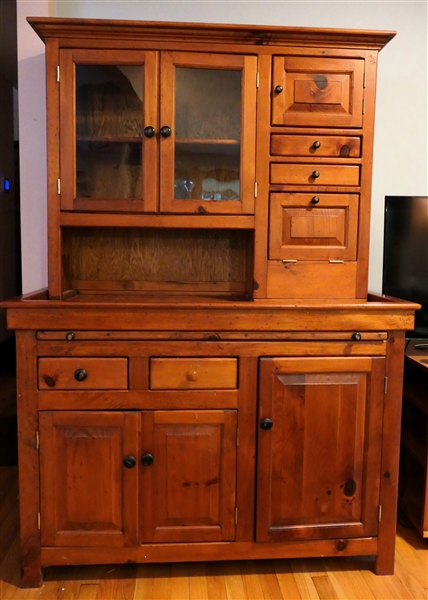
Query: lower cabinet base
x=199, y=552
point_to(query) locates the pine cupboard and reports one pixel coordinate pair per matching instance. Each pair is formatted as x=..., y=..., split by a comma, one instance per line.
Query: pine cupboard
x=206, y=376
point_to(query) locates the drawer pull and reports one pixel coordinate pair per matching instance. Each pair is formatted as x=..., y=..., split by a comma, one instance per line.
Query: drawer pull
x=70, y=336
x=315, y=174
x=279, y=89
x=129, y=462
x=315, y=200
x=147, y=460
x=192, y=375
x=266, y=424
x=80, y=374
x=356, y=336
x=49, y=381
x=316, y=145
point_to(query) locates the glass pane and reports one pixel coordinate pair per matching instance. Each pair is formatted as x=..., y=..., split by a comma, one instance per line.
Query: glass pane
x=208, y=134
x=109, y=129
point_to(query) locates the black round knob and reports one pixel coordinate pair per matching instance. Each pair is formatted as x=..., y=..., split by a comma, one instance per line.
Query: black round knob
x=316, y=145
x=69, y=336
x=147, y=460
x=149, y=131
x=129, y=462
x=266, y=424
x=315, y=200
x=356, y=336
x=315, y=174
x=166, y=131
x=80, y=374
x=279, y=89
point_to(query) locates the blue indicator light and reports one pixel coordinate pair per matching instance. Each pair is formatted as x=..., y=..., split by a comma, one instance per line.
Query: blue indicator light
x=6, y=185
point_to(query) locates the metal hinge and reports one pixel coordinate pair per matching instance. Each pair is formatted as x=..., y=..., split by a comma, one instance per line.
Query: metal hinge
x=38, y=520
x=255, y=189
x=236, y=515
x=57, y=74
x=37, y=440
x=237, y=437
x=59, y=186
x=364, y=79
x=364, y=106
x=385, y=387
x=257, y=79
x=380, y=513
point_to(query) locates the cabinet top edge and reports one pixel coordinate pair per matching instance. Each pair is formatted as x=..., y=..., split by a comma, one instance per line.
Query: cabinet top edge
x=255, y=35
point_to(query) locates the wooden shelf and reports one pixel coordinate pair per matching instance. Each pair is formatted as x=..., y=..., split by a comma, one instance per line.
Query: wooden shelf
x=195, y=146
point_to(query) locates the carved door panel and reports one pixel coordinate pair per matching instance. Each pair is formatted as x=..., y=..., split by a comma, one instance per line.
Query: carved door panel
x=319, y=447
x=316, y=92
x=188, y=478
x=89, y=494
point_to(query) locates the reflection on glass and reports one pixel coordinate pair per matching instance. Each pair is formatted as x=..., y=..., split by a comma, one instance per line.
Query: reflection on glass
x=208, y=134
x=109, y=129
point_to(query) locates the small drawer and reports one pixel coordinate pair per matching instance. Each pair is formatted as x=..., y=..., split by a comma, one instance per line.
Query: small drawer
x=314, y=174
x=193, y=373
x=83, y=373
x=315, y=145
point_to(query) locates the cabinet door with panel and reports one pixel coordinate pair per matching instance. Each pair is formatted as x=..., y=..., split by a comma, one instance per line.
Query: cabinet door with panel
x=188, y=478
x=88, y=478
x=319, y=447
x=208, y=117
x=317, y=92
x=108, y=117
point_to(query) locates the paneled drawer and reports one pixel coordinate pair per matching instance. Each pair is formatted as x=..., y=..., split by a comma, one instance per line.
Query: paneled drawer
x=308, y=227
x=193, y=373
x=83, y=373
x=315, y=145
x=314, y=174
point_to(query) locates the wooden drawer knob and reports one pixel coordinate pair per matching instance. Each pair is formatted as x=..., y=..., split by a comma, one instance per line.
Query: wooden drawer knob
x=192, y=375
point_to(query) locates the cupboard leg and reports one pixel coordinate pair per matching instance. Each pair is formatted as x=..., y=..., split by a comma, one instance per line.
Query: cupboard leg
x=28, y=457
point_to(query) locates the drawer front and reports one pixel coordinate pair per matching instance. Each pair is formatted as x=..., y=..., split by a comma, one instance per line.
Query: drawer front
x=83, y=373
x=193, y=373
x=315, y=145
x=308, y=227
x=315, y=280
x=314, y=174
x=309, y=91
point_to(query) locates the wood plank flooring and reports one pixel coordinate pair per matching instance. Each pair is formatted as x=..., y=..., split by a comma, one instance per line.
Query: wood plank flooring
x=343, y=578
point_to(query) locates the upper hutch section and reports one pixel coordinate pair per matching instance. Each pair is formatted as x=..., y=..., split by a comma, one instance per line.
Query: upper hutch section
x=213, y=159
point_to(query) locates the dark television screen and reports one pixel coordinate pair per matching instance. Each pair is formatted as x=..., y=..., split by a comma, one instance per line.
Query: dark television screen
x=405, y=256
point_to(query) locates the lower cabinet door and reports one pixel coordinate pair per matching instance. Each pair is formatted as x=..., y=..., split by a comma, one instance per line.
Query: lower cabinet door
x=319, y=447
x=89, y=478
x=188, y=477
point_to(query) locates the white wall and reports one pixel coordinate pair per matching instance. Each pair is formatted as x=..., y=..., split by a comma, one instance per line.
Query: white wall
x=400, y=154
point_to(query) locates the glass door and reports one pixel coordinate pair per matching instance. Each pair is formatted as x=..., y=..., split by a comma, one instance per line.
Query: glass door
x=207, y=133
x=108, y=113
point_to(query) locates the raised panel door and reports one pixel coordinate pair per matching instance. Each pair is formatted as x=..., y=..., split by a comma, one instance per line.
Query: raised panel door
x=319, y=456
x=88, y=496
x=313, y=91
x=188, y=478
x=108, y=123
x=208, y=125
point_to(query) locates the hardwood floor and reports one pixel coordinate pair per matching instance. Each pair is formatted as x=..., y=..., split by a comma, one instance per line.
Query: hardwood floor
x=342, y=578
